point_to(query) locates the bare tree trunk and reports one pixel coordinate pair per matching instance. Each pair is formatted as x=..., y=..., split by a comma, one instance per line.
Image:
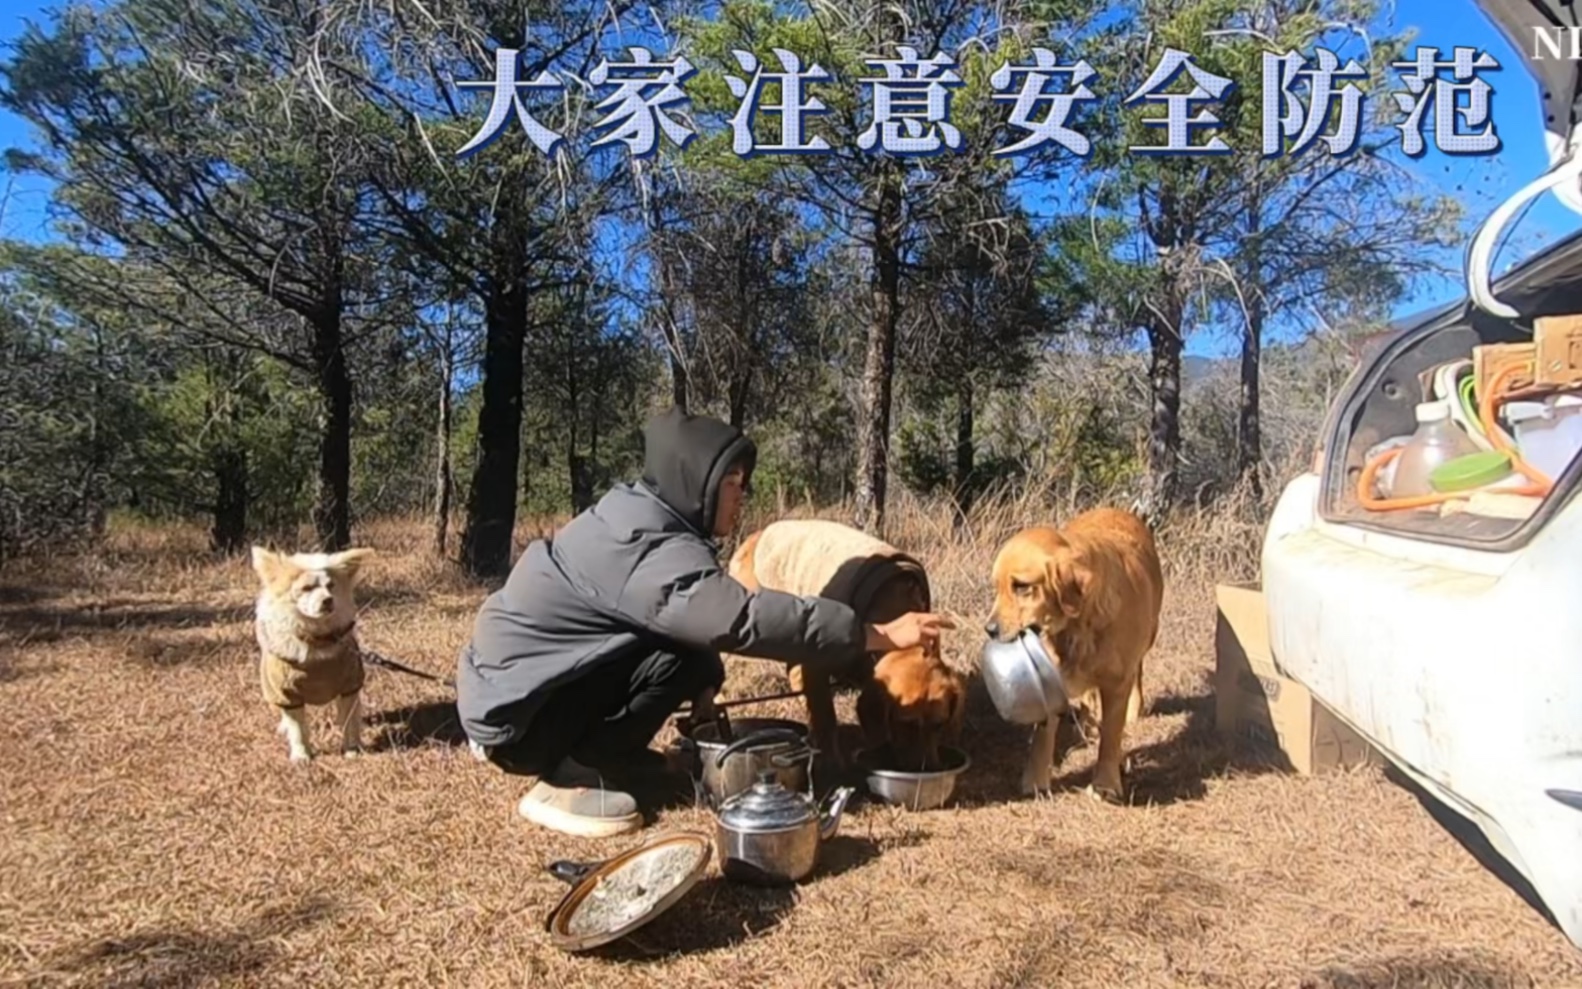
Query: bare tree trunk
x=965, y=453
x=1164, y=427
x=443, y=482
x=577, y=471
x=332, y=503
x=229, y=531
x=678, y=376
x=491, y=502
x=1249, y=438
x=1249, y=432
x=741, y=391
x=669, y=325
x=878, y=373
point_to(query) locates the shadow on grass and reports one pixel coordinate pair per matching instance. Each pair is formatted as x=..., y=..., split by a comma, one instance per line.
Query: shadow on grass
x=180, y=957
x=1468, y=835
x=1177, y=768
x=158, y=652
x=716, y=914
x=720, y=913
x=417, y=725
x=1436, y=971
x=46, y=623
x=1165, y=772
x=23, y=594
x=12, y=671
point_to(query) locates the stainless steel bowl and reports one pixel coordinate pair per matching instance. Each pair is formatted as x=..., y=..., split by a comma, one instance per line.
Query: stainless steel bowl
x=915, y=791
x=1022, y=679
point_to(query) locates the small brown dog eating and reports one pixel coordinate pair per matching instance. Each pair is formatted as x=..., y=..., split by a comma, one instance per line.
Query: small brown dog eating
x=1093, y=591
x=910, y=701
x=913, y=704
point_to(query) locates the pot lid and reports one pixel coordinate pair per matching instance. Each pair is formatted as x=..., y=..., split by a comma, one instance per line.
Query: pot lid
x=767, y=806
x=609, y=900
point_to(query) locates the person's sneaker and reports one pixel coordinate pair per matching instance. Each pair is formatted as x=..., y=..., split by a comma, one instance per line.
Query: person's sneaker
x=574, y=800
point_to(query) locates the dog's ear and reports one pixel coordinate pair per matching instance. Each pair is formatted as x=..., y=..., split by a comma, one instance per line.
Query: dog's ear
x=348, y=563
x=266, y=564
x=1067, y=582
x=958, y=706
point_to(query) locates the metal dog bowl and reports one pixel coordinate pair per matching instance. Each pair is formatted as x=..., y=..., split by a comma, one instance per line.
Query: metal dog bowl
x=915, y=791
x=1022, y=679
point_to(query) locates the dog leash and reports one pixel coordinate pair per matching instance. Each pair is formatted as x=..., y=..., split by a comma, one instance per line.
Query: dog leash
x=722, y=719
x=384, y=662
x=725, y=705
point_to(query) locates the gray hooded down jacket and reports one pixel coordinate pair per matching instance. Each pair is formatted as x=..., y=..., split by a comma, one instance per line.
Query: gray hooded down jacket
x=635, y=574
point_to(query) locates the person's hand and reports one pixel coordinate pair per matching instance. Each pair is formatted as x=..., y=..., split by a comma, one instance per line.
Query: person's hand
x=703, y=709
x=915, y=628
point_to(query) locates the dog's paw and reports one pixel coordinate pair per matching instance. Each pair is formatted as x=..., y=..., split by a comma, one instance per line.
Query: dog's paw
x=1037, y=786
x=301, y=756
x=1109, y=794
x=351, y=752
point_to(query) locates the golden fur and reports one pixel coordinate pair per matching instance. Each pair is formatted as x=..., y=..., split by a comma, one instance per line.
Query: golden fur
x=1093, y=590
x=910, y=700
x=304, y=622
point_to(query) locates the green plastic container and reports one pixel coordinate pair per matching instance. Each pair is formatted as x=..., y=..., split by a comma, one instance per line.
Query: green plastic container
x=1475, y=470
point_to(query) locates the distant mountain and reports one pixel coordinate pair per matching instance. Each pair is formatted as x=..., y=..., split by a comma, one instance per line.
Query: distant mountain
x=1195, y=369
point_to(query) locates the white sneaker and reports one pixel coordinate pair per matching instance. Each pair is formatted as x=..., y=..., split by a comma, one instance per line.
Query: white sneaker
x=573, y=800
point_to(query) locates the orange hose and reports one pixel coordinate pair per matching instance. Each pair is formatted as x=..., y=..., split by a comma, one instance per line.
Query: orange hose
x=1488, y=404
x=1541, y=485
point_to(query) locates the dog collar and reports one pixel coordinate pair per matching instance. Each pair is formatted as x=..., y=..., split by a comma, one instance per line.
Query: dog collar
x=331, y=638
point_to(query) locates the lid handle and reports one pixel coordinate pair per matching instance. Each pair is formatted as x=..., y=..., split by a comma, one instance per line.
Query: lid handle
x=572, y=873
x=768, y=777
x=768, y=736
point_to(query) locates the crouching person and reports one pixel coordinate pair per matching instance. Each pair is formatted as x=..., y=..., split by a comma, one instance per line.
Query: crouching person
x=602, y=631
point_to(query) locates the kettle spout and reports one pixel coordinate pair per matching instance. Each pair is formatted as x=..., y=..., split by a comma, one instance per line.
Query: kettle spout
x=829, y=819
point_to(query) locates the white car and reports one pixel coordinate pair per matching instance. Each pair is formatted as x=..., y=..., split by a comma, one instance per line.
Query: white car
x=1454, y=642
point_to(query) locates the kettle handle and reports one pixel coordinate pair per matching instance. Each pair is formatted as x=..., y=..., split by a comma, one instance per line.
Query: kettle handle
x=834, y=806
x=768, y=735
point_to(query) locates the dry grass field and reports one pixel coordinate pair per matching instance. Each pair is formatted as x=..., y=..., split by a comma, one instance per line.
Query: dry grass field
x=153, y=833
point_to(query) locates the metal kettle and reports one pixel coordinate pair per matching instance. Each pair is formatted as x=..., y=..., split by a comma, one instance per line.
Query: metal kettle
x=769, y=835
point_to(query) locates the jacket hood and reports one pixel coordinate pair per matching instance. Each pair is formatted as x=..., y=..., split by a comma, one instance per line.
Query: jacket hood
x=685, y=459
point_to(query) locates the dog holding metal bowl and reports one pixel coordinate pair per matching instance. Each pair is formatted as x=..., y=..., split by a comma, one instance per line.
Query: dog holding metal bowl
x=1076, y=608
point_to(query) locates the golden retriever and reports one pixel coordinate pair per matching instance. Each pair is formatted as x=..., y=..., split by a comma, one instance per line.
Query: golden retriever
x=910, y=700
x=1093, y=591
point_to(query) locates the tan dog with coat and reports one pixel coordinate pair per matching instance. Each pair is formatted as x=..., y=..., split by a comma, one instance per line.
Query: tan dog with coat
x=1093, y=590
x=305, y=623
x=910, y=699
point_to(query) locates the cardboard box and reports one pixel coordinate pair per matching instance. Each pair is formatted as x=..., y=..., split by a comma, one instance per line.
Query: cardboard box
x=1259, y=706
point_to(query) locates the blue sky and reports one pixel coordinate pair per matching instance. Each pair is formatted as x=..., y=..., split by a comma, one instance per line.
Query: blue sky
x=1443, y=23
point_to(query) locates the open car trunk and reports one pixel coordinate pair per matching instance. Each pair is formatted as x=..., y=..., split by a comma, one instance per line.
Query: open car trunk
x=1380, y=399
x=1379, y=402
